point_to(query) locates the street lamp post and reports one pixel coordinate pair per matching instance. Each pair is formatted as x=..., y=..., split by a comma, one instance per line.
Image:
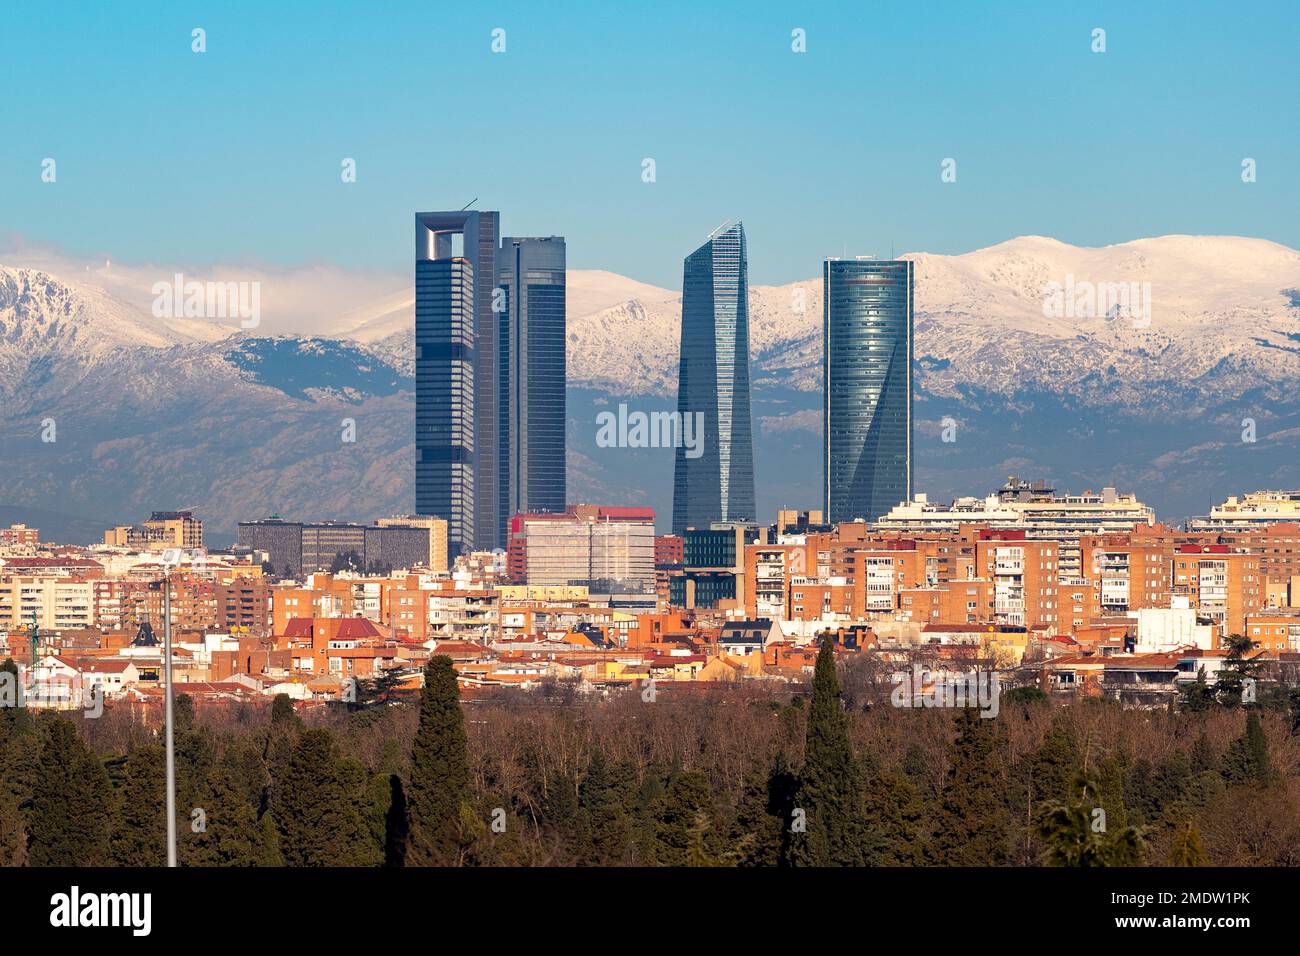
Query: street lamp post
x=167, y=718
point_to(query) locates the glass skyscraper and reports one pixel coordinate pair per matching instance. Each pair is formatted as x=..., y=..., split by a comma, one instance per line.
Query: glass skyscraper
x=717, y=485
x=490, y=376
x=867, y=386
x=531, y=356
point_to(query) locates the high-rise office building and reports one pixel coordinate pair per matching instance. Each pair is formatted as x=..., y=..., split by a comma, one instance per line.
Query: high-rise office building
x=455, y=372
x=867, y=386
x=714, y=482
x=490, y=375
x=531, y=354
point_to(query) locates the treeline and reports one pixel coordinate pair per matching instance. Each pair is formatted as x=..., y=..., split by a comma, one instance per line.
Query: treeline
x=830, y=775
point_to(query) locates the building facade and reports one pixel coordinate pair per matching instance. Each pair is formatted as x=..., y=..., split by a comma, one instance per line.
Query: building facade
x=490, y=375
x=713, y=386
x=532, y=377
x=867, y=386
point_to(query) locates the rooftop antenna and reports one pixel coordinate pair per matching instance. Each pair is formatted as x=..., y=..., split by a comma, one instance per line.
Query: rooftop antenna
x=468, y=204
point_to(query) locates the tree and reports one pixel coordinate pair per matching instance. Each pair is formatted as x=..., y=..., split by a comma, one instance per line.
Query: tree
x=140, y=838
x=282, y=712
x=1187, y=849
x=68, y=822
x=317, y=811
x=1247, y=758
x=439, y=790
x=1197, y=696
x=972, y=821
x=608, y=826
x=346, y=561
x=1237, y=671
x=1075, y=831
x=230, y=835
x=685, y=831
x=830, y=782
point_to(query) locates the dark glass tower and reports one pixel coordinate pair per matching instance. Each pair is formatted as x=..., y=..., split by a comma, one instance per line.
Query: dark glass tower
x=456, y=336
x=713, y=379
x=490, y=376
x=867, y=393
x=531, y=356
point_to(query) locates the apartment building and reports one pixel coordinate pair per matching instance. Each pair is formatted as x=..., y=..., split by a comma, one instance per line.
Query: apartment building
x=1220, y=584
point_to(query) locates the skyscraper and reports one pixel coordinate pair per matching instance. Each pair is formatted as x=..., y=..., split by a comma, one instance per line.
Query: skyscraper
x=455, y=328
x=490, y=375
x=717, y=484
x=531, y=354
x=867, y=393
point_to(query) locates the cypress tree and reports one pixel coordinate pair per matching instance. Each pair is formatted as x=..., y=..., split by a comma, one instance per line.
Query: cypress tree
x=972, y=821
x=316, y=812
x=140, y=838
x=231, y=836
x=830, y=785
x=684, y=832
x=439, y=790
x=1247, y=758
x=71, y=807
x=609, y=829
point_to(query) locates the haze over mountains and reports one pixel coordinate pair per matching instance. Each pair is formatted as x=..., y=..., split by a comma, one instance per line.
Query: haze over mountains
x=162, y=412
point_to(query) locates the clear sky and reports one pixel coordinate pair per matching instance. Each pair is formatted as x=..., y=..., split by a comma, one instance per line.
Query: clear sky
x=233, y=155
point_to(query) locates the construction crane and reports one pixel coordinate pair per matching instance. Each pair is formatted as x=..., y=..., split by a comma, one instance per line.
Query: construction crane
x=35, y=638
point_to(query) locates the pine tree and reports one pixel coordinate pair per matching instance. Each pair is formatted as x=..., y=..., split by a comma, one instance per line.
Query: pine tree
x=608, y=826
x=1187, y=849
x=68, y=823
x=685, y=821
x=439, y=790
x=972, y=821
x=1237, y=670
x=282, y=711
x=140, y=837
x=231, y=835
x=1247, y=758
x=316, y=813
x=756, y=835
x=830, y=782
x=1076, y=831
x=896, y=813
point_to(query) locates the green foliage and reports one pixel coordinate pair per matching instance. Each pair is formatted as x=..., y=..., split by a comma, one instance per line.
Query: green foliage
x=439, y=790
x=140, y=837
x=1076, y=832
x=1187, y=849
x=1247, y=758
x=72, y=805
x=318, y=812
x=830, y=781
x=972, y=822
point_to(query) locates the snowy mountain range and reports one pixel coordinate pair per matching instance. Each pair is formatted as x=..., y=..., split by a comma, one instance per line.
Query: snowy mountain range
x=1024, y=344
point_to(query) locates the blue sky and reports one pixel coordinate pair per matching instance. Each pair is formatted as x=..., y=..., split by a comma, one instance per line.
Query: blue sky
x=234, y=155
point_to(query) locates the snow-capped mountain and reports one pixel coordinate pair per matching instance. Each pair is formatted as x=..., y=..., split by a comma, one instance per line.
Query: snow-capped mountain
x=1024, y=344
